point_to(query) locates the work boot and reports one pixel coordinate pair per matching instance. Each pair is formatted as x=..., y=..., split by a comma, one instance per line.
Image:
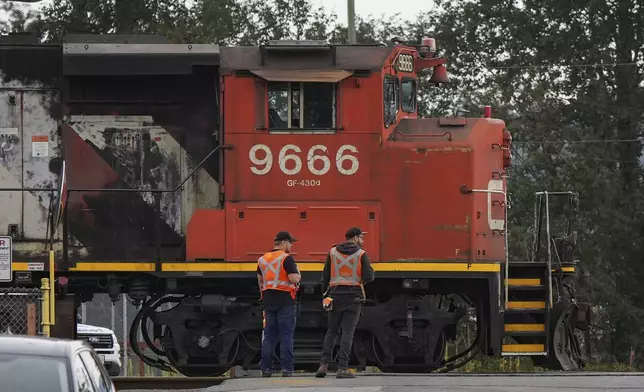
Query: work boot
x=321, y=373
x=344, y=373
x=267, y=374
x=287, y=374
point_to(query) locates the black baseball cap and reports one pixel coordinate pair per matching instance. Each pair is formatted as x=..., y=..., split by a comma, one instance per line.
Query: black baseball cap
x=353, y=232
x=284, y=236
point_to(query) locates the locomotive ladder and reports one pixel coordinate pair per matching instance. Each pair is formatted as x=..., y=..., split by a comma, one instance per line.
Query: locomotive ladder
x=527, y=294
x=528, y=309
x=529, y=287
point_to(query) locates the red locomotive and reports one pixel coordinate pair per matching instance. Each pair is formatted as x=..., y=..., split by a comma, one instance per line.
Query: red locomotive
x=182, y=161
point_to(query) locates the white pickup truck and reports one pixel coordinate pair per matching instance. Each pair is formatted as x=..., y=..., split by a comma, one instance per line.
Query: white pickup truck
x=105, y=344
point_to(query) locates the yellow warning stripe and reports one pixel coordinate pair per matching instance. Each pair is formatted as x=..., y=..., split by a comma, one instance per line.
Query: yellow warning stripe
x=114, y=267
x=564, y=269
x=318, y=267
x=20, y=266
x=524, y=282
x=526, y=305
x=87, y=266
x=525, y=327
x=523, y=348
x=133, y=266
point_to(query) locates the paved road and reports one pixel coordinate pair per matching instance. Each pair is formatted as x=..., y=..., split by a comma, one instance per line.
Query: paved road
x=559, y=382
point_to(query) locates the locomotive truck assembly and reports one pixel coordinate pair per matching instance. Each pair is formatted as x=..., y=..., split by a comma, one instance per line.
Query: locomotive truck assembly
x=166, y=169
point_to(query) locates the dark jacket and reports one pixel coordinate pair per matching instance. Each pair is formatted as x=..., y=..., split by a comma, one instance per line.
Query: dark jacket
x=347, y=248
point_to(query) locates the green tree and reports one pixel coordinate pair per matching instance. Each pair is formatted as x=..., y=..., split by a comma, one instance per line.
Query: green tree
x=166, y=17
x=510, y=55
x=20, y=18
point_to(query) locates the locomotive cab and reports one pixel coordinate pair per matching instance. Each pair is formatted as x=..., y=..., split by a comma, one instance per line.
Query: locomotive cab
x=334, y=140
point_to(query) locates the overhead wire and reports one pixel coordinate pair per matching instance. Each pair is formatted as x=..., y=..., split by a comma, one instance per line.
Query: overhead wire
x=546, y=66
x=565, y=141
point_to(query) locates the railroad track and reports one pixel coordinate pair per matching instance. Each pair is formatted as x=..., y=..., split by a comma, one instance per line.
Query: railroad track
x=187, y=383
x=165, y=383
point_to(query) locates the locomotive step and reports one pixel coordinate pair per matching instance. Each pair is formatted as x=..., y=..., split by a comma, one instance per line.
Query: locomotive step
x=528, y=288
x=539, y=264
x=525, y=311
x=531, y=273
x=529, y=267
x=524, y=282
x=524, y=327
x=523, y=349
x=524, y=330
x=526, y=333
x=527, y=305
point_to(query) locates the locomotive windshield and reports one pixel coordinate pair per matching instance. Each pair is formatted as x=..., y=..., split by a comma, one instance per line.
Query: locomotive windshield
x=391, y=100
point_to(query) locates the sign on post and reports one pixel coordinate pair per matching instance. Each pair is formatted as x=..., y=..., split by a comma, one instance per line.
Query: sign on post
x=6, y=269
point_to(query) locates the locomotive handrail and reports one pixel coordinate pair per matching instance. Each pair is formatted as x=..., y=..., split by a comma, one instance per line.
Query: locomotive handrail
x=397, y=134
x=546, y=194
x=157, y=190
x=28, y=190
x=151, y=190
x=466, y=190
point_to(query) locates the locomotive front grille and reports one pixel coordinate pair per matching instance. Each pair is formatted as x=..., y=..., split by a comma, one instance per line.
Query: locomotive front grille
x=97, y=341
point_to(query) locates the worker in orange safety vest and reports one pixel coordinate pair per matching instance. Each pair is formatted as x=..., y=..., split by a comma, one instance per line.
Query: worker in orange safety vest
x=346, y=270
x=278, y=277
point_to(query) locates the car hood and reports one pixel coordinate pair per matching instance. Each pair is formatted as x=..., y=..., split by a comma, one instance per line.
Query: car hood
x=84, y=328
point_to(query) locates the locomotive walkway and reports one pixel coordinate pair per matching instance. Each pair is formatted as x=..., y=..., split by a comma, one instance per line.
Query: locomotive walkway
x=455, y=382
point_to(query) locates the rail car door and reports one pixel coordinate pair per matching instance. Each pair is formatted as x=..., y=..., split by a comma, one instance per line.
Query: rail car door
x=29, y=158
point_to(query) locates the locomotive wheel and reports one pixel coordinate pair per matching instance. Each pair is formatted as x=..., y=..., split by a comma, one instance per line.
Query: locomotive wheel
x=565, y=345
x=201, y=370
x=564, y=351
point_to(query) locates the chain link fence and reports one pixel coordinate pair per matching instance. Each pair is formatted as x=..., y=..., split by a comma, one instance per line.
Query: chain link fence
x=20, y=311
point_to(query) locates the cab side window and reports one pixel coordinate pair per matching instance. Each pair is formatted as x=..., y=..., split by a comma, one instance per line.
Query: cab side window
x=95, y=373
x=408, y=95
x=303, y=106
x=82, y=379
x=391, y=100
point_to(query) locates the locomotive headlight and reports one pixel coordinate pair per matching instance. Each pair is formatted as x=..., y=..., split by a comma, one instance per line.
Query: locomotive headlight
x=405, y=63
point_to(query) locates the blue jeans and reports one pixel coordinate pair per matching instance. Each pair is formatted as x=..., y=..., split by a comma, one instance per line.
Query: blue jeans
x=280, y=327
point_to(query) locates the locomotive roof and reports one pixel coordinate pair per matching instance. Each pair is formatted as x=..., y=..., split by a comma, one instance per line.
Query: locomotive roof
x=33, y=64
x=94, y=54
x=330, y=57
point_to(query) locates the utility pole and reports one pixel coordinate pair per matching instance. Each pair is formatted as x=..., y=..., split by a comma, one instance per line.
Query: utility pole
x=351, y=15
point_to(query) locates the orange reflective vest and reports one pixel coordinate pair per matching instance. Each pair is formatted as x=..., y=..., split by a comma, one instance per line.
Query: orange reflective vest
x=346, y=270
x=274, y=276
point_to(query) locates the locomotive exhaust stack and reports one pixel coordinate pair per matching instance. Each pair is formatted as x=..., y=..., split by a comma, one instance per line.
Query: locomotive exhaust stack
x=181, y=162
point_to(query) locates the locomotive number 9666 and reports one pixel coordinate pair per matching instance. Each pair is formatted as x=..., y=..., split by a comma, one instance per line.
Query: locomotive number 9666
x=290, y=163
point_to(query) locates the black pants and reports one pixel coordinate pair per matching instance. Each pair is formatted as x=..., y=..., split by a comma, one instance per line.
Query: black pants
x=344, y=320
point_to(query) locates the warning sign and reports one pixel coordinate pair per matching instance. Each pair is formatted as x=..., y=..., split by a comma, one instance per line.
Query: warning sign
x=40, y=146
x=6, y=271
